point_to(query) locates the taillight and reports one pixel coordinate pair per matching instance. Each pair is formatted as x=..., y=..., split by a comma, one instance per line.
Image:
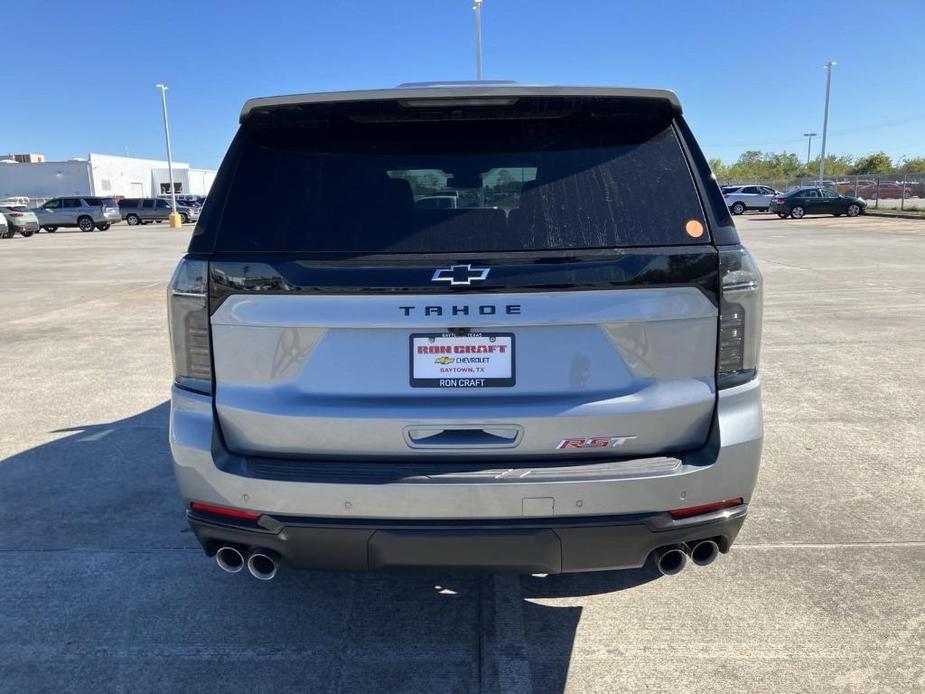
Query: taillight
x=188, y=317
x=739, y=318
x=691, y=511
x=779, y=201
x=224, y=510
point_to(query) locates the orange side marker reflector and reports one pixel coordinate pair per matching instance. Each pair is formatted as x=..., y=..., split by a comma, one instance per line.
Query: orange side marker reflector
x=694, y=229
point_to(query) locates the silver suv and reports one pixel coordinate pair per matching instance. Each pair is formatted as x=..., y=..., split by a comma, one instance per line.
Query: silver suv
x=557, y=374
x=85, y=213
x=742, y=198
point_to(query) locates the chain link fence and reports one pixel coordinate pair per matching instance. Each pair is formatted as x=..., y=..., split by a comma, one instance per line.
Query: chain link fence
x=22, y=201
x=896, y=190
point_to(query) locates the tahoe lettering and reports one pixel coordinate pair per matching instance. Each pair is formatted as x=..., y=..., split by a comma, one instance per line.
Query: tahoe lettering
x=462, y=310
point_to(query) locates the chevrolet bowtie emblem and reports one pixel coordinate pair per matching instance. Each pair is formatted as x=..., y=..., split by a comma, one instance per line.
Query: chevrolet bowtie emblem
x=460, y=275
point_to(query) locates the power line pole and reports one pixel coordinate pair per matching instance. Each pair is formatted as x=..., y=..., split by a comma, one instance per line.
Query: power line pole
x=809, y=147
x=825, y=119
x=174, y=217
x=477, y=10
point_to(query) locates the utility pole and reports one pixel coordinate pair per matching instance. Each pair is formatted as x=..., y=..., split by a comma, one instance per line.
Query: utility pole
x=825, y=119
x=477, y=10
x=809, y=147
x=174, y=217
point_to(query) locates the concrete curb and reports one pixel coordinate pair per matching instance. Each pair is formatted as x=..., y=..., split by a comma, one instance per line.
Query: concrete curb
x=892, y=215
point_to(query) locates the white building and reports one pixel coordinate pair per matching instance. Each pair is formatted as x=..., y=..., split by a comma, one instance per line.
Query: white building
x=100, y=175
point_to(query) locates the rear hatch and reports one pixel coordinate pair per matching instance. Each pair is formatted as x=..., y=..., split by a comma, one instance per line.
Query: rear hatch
x=564, y=307
x=108, y=206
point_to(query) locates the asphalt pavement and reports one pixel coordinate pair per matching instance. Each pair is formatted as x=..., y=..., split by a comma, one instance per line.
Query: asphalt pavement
x=103, y=588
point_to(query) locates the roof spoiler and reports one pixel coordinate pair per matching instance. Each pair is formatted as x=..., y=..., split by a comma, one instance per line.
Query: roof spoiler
x=433, y=91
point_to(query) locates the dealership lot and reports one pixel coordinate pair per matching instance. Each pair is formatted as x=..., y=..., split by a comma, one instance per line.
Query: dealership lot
x=103, y=587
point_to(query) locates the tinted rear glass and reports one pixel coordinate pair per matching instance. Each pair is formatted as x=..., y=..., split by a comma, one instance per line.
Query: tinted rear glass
x=360, y=183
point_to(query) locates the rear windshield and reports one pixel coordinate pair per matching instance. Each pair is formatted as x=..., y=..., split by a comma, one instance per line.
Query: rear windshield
x=560, y=180
x=101, y=202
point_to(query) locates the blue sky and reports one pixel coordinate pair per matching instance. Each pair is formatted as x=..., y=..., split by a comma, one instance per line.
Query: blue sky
x=749, y=74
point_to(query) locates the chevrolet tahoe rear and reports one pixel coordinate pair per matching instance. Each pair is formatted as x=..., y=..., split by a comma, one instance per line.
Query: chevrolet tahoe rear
x=557, y=373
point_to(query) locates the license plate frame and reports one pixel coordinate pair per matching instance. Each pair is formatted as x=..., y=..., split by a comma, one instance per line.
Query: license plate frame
x=466, y=380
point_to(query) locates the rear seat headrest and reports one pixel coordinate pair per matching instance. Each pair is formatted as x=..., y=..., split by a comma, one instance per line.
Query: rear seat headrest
x=396, y=193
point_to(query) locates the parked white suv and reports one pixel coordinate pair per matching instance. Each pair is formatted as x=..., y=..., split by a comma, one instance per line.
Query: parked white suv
x=741, y=198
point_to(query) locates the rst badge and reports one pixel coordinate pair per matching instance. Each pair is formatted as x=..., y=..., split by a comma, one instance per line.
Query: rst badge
x=595, y=442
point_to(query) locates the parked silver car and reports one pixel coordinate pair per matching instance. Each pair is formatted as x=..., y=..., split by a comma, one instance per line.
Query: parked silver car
x=85, y=213
x=742, y=198
x=567, y=384
x=143, y=210
x=17, y=220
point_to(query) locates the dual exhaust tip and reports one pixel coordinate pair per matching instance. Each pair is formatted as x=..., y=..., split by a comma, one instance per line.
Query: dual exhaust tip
x=263, y=564
x=671, y=560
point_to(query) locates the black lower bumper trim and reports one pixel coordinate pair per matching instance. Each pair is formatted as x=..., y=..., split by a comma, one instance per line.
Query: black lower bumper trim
x=552, y=546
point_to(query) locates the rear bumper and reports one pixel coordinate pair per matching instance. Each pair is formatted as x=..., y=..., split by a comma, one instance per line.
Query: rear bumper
x=726, y=467
x=563, y=545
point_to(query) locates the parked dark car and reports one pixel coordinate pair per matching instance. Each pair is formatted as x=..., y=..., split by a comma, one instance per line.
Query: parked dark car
x=886, y=190
x=188, y=200
x=803, y=201
x=143, y=210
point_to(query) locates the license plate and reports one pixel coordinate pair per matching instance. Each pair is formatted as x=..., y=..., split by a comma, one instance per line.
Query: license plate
x=469, y=360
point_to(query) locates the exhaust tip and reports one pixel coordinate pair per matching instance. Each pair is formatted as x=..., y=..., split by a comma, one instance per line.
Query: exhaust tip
x=670, y=560
x=263, y=565
x=704, y=553
x=229, y=559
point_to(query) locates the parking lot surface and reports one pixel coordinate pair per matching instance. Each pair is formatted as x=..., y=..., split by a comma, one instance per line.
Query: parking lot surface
x=104, y=588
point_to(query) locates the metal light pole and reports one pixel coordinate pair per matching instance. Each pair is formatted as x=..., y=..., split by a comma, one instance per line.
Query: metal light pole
x=174, y=217
x=825, y=119
x=809, y=146
x=477, y=10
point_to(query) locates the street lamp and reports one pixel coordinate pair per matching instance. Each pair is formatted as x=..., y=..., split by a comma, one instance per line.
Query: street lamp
x=809, y=146
x=825, y=119
x=477, y=10
x=174, y=217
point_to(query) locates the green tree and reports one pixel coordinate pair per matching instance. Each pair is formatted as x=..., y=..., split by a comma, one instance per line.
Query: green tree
x=754, y=165
x=836, y=166
x=783, y=164
x=718, y=168
x=873, y=163
x=916, y=164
